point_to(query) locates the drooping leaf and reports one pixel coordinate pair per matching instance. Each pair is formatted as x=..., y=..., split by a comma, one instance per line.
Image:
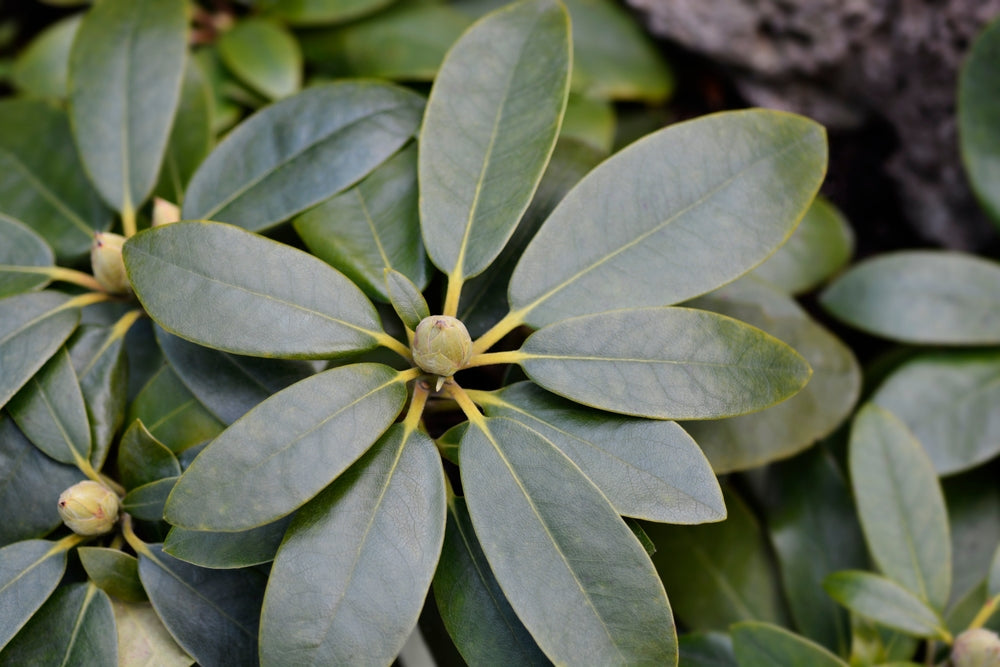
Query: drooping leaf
x=24, y=256
x=923, y=297
x=114, y=572
x=758, y=644
x=648, y=469
x=190, y=137
x=487, y=135
x=665, y=363
x=978, y=132
x=706, y=649
x=372, y=227
x=146, y=502
x=171, y=412
x=263, y=55
x=264, y=172
x=227, y=550
x=143, y=459
x=371, y=541
x=239, y=292
x=98, y=356
x=558, y=549
x=41, y=69
x=319, y=12
x=29, y=572
x=406, y=299
x=211, y=614
x=884, y=601
x=293, y=444
x=142, y=639
x=671, y=215
x=125, y=71
x=949, y=402
x=900, y=504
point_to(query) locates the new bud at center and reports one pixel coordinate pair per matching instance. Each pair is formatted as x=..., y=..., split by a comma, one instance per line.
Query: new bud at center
x=441, y=345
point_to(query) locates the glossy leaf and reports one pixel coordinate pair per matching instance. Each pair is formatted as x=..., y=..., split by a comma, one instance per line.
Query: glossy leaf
x=98, y=355
x=74, y=627
x=406, y=299
x=264, y=172
x=647, y=469
x=113, y=571
x=41, y=69
x=171, y=412
x=978, y=131
x=227, y=550
x=146, y=502
x=706, y=649
x=191, y=134
x=282, y=303
x=672, y=214
x=949, y=402
x=488, y=134
x=44, y=185
x=293, y=444
x=125, y=73
x=264, y=55
x=51, y=412
x=372, y=540
x=474, y=610
x=884, y=601
x=679, y=363
x=372, y=227
x=29, y=572
x=33, y=327
x=318, y=12
x=142, y=639
x=212, y=614
x=767, y=645
x=24, y=256
x=558, y=548
x=143, y=459
x=924, y=297
x=900, y=504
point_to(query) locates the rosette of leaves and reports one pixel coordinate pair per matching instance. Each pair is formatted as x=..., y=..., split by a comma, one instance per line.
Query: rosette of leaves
x=524, y=538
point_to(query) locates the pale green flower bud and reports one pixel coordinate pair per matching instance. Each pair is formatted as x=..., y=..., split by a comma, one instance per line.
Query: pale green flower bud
x=164, y=212
x=976, y=648
x=89, y=508
x=441, y=345
x=107, y=263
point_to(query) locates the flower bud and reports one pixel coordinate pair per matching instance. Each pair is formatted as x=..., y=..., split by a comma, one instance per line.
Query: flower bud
x=107, y=263
x=164, y=212
x=976, y=648
x=89, y=508
x=441, y=345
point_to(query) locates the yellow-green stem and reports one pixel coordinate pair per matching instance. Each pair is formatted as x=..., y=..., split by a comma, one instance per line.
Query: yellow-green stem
x=416, y=411
x=451, y=298
x=985, y=612
x=472, y=413
x=125, y=322
x=88, y=299
x=385, y=340
x=65, y=275
x=510, y=321
x=68, y=542
x=493, y=358
x=128, y=220
x=133, y=540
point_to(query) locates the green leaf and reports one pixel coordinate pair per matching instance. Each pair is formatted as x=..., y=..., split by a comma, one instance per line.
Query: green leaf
x=191, y=135
x=24, y=258
x=173, y=415
x=319, y=12
x=371, y=541
x=263, y=55
x=793, y=425
x=98, y=355
x=706, y=649
x=819, y=248
x=41, y=69
x=29, y=572
x=767, y=645
x=239, y=292
x=51, y=412
x=262, y=174
x=589, y=121
x=406, y=299
x=473, y=608
x=114, y=572
x=212, y=614
x=558, y=548
x=33, y=327
x=487, y=135
x=680, y=363
x=672, y=215
x=146, y=502
x=227, y=550
x=287, y=449
x=372, y=227
x=884, y=601
x=647, y=469
x=74, y=627
x=718, y=574
x=993, y=578
x=925, y=297
x=978, y=130
x=973, y=503
x=125, y=71
x=143, y=459
x=900, y=504
x=948, y=400
x=142, y=639
x=44, y=185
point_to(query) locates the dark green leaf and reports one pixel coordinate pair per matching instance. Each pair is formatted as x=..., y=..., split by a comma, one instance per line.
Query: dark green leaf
x=142, y=639
x=672, y=214
x=406, y=299
x=98, y=355
x=884, y=601
x=973, y=502
x=766, y=645
x=924, y=297
x=706, y=649
x=372, y=227
x=146, y=502
x=993, y=578
x=287, y=449
x=190, y=136
x=679, y=363
x=114, y=572
x=263, y=173
x=371, y=541
x=978, y=130
x=473, y=608
x=571, y=569
x=29, y=572
x=174, y=416
x=487, y=135
x=949, y=402
x=143, y=459
x=41, y=69
x=647, y=469
x=74, y=627
x=125, y=71
x=900, y=504
x=589, y=121
x=263, y=55
x=212, y=614
x=24, y=258
x=239, y=292
x=318, y=12
x=227, y=550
